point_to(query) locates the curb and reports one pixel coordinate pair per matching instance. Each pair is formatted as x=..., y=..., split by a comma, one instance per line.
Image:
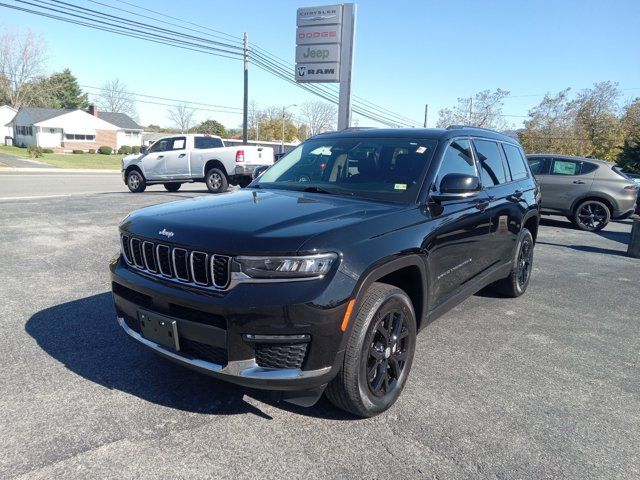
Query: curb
x=55, y=170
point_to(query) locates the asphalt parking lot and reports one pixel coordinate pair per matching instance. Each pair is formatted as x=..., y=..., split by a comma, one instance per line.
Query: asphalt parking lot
x=544, y=386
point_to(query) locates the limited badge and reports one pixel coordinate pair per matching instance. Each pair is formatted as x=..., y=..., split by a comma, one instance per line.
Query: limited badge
x=400, y=186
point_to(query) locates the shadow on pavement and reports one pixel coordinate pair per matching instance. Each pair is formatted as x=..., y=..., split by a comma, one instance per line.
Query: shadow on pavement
x=83, y=335
x=587, y=248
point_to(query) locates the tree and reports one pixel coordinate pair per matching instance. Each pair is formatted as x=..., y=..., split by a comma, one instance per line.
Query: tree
x=318, y=116
x=182, y=116
x=116, y=97
x=212, y=127
x=630, y=120
x=629, y=158
x=22, y=60
x=596, y=112
x=484, y=109
x=66, y=92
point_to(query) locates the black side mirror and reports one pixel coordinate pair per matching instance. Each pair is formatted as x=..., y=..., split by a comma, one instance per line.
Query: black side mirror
x=143, y=150
x=456, y=186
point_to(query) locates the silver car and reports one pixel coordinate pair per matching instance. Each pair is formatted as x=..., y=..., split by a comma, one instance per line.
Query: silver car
x=589, y=192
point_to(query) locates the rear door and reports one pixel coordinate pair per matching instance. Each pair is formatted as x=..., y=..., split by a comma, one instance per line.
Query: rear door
x=177, y=159
x=565, y=183
x=457, y=247
x=504, y=207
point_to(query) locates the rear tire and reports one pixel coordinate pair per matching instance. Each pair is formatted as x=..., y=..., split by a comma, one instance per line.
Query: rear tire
x=172, y=187
x=591, y=216
x=518, y=280
x=379, y=353
x=216, y=181
x=136, y=181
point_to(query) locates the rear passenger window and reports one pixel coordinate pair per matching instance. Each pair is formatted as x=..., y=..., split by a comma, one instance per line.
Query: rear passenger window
x=457, y=159
x=565, y=167
x=515, y=161
x=491, y=166
x=587, y=168
x=207, y=142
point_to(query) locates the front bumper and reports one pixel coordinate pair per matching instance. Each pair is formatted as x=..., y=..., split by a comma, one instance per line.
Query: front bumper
x=223, y=321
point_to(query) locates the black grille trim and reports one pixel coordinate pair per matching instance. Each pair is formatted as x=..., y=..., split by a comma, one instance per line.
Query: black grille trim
x=203, y=351
x=193, y=267
x=278, y=355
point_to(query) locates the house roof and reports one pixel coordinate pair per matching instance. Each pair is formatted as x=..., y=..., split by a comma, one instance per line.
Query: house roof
x=120, y=120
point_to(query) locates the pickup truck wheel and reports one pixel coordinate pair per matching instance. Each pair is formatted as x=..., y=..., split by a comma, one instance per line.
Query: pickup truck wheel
x=379, y=353
x=518, y=280
x=216, y=181
x=136, y=182
x=172, y=187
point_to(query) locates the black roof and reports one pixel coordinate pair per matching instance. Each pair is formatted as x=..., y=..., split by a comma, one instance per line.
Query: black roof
x=431, y=133
x=121, y=120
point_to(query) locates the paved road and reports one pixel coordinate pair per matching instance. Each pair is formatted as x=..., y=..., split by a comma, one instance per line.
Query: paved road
x=545, y=386
x=12, y=161
x=37, y=184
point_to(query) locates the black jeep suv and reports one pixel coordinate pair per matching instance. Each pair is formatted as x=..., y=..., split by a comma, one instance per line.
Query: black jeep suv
x=322, y=271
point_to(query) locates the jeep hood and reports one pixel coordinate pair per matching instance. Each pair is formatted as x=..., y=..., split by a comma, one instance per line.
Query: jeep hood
x=252, y=221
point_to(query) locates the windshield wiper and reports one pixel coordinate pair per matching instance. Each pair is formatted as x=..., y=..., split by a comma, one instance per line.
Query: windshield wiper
x=316, y=189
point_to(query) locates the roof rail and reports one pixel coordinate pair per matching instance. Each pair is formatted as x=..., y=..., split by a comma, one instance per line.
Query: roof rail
x=457, y=127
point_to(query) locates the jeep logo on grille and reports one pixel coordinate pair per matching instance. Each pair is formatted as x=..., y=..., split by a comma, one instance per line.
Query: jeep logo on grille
x=166, y=233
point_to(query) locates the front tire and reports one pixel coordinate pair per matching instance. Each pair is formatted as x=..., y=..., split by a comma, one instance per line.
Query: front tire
x=379, y=353
x=136, y=181
x=592, y=216
x=518, y=280
x=216, y=181
x=172, y=187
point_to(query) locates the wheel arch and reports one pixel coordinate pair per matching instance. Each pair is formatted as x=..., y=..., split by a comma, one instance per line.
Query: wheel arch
x=214, y=163
x=531, y=222
x=598, y=197
x=408, y=273
x=135, y=166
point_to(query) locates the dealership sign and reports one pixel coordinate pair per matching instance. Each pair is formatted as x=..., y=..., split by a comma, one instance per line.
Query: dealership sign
x=318, y=44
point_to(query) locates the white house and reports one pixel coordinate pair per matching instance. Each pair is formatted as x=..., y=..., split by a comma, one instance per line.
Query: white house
x=66, y=130
x=6, y=115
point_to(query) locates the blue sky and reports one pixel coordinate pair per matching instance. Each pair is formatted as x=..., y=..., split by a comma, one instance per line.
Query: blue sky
x=407, y=53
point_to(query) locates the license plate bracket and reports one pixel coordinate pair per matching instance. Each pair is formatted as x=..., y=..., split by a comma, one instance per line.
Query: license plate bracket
x=160, y=329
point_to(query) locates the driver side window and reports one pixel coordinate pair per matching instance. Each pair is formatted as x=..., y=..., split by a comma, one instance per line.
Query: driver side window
x=161, y=145
x=456, y=159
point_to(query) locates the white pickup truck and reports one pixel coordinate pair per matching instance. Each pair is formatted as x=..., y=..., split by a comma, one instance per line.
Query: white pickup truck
x=178, y=159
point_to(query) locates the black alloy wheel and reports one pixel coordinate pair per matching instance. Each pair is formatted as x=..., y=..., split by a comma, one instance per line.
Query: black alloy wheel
x=525, y=261
x=388, y=353
x=592, y=216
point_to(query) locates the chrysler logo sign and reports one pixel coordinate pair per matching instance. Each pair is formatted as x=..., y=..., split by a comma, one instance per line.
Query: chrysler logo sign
x=329, y=15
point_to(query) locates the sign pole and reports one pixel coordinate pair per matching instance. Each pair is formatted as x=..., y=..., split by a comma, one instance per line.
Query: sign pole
x=346, y=67
x=245, y=106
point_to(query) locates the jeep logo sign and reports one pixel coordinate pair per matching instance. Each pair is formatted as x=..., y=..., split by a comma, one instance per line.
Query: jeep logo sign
x=318, y=72
x=317, y=53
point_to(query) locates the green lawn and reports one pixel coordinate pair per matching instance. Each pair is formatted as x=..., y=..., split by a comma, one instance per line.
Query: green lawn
x=64, y=160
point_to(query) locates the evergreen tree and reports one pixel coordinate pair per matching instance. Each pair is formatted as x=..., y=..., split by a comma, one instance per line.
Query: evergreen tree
x=629, y=158
x=66, y=92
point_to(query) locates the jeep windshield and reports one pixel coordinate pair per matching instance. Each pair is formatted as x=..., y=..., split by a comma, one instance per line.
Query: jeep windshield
x=387, y=169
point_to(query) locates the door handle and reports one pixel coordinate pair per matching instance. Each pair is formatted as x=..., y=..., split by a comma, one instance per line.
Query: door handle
x=181, y=155
x=515, y=196
x=160, y=156
x=517, y=193
x=579, y=182
x=482, y=204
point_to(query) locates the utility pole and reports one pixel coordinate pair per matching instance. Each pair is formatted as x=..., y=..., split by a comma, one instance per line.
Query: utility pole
x=426, y=111
x=470, y=109
x=245, y=109
x=284, y=110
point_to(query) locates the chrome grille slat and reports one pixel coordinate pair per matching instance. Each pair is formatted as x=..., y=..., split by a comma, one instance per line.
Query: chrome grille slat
x=193, y=267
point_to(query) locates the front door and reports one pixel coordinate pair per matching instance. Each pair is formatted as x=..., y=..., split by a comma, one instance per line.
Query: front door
x=177, y=159
x=457, y=247
x=153, y=163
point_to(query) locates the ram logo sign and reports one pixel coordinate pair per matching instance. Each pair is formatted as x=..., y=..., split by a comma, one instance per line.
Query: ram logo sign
x=318, y=72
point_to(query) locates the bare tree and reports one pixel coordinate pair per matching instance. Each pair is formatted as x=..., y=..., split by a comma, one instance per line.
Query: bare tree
x=182, y=116
x=319, y=116
x=116, y=97
x=22, y=61
x=484, y=109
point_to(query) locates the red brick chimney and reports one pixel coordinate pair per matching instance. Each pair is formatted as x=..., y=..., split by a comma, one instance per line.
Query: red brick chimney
x=93, y=110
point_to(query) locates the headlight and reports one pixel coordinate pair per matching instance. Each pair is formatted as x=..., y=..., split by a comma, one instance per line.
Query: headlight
x=287, y=267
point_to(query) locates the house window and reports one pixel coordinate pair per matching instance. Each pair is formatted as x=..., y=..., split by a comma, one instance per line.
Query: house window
x=75, y=137
x=22, y=130
x=131, y=134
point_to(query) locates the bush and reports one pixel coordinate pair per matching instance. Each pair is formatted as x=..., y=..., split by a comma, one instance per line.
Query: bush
x=104, y=150
x=92, y=150
x=135, y=149
x=47, y=150
x=34, y=152
x=77, y=152
x=124, y=150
